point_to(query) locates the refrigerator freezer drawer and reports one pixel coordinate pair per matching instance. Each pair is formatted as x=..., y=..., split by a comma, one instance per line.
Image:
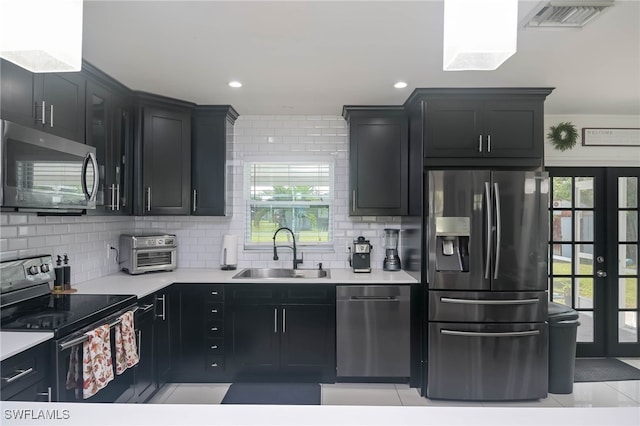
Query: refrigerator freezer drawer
x=475, y=306
x=487, y=362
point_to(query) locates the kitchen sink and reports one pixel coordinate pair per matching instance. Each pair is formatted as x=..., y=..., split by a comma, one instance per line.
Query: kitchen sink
x=278, y=273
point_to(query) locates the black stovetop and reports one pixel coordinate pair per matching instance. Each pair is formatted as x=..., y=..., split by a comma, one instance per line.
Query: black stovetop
x=62, y=313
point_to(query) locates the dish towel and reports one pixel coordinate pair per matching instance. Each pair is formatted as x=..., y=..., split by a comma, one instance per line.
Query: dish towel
x=126, y=347
x=74, y=374
x=97, y=368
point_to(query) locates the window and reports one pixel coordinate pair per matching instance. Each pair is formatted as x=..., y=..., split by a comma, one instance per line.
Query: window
x=296, y=195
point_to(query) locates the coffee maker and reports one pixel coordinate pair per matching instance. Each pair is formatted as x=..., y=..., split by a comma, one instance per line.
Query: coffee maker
x=391, y=260
x=361, y=257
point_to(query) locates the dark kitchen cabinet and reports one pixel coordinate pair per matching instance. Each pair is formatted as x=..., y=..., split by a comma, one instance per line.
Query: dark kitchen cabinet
x=108, y=128
x=164, y=315
x=281, y=332
x=53, y=102
x=200, y=351
x=144, y=372
x=212, y=136
x=163, y=156
x=480, y=127
x=378, y=160
x=25, y=376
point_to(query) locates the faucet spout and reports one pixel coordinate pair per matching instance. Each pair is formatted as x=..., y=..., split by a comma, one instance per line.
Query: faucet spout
x=296, y=261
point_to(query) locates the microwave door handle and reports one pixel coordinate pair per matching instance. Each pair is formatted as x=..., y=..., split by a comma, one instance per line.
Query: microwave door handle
x=96, y=177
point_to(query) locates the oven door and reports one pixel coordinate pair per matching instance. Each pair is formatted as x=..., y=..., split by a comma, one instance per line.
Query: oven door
x=67, y=386
x=154, y=259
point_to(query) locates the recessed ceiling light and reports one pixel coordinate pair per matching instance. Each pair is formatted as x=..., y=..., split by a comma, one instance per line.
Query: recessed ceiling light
x=400, y=85
x=235, y=84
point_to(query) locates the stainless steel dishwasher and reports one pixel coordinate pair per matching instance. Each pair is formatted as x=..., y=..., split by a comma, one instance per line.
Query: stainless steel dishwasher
x=372, y=324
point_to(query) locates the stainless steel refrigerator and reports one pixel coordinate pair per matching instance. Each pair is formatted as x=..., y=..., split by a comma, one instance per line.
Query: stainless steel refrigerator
x=487, y=277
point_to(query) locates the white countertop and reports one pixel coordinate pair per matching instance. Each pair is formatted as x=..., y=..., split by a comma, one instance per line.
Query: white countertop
x=14, y=342
x=145, y=284
x=142, y=285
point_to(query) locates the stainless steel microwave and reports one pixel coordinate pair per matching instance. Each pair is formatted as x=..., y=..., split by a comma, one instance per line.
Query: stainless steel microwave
x=46, y=173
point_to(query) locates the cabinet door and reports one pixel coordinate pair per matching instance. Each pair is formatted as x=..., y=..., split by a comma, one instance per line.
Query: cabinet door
x=208, y=162
x=145, y=383
x=379, y=150
x=64, y=97
x=166, y=161
x=514, y=128
x=308, y=342
x=98, y=134
x=163, y=336
x=121, y=154
x=453, y=128
x=16, y=101
x=254, y=339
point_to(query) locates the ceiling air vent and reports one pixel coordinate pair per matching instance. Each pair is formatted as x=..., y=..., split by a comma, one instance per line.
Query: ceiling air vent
x=566, y=14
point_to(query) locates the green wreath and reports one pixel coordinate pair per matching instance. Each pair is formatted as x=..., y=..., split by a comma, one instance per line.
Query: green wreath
x=563, y=136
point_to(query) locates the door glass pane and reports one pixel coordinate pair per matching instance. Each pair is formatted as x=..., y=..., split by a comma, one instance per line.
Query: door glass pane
x=584, y=293
x=585, y=330
x=628, y=226
x=628, y=259
x=627, y=191
x=628, y=327
x=562, y=194
x=562, y=290
x=628, y=293
x=561, y=226
x=584, y=259
x=562, y=259
x=584, y=192
x=584, y=226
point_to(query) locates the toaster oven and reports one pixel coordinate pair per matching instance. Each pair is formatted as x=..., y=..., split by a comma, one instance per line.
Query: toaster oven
x=140, y=253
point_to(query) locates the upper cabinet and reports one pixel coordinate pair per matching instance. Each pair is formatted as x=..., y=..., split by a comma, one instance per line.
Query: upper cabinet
x=211, y=139
x=108, y=129
x=162, y=156
x=481, y=127
x=50, y=102
x=378, y=160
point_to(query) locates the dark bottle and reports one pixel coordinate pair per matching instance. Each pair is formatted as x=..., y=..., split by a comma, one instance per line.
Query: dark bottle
x=57, y=282
x=66, y=274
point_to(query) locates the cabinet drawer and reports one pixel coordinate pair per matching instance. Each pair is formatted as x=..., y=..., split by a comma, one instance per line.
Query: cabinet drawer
x=316, y=294
x=214, y=311
x=253, y=293
x=215, y=329
x=214, y=347
x=23, y=370
x=215, y=293
x=215, y=362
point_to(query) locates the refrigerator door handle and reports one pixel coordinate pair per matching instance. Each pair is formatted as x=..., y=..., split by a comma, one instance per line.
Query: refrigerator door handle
x=486, y=334
x=490, y=302
x=496, y=190
x=487, y=193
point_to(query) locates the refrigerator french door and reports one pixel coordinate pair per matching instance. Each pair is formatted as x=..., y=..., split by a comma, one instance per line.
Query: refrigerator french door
x=487, y=263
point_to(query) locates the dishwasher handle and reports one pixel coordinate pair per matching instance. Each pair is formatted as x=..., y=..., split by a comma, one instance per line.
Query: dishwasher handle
x=377, y=298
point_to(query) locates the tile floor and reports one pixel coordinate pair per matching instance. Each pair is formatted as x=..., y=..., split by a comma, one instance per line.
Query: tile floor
x=596, y=394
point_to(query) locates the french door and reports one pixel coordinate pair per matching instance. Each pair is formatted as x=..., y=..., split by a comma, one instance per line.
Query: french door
x=593, y=251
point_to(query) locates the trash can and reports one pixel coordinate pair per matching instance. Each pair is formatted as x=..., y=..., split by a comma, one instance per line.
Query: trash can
x=563, y=329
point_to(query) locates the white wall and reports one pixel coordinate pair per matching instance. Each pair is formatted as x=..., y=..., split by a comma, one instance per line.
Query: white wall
x=592, y=156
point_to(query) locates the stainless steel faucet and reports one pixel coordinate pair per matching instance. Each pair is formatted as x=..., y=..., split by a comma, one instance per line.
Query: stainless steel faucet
x=296, y=261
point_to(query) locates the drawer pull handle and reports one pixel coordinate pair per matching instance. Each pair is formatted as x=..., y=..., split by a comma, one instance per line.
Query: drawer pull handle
x=215, y=364
x=214, y=293
x=214, y=347
x=21, y=373
x=214, y=328
x=489, y=302
x=214, y=311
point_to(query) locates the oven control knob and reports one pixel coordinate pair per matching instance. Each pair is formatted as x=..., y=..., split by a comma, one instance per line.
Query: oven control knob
x=33, y=270
x=45, y=268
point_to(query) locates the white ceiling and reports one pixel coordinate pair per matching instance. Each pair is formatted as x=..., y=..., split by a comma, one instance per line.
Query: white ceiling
x=302, y=57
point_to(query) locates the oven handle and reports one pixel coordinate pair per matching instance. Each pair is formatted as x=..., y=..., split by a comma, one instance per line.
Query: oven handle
x=80, y=339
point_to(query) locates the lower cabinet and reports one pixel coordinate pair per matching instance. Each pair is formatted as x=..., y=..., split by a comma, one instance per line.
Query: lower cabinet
x=199, y=353
x=144, y=372
x=24, y=376
x=280, y=332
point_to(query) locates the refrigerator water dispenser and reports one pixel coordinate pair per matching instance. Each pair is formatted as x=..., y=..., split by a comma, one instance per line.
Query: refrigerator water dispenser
x=452, y=244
